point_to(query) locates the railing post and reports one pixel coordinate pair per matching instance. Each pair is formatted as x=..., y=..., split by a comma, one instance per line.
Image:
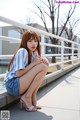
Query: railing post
x=42, y=47
x=62, y=55
x=0, y=41
x=72, y=53
x=78, y=51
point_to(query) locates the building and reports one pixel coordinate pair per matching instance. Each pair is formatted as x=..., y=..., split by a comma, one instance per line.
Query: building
x=9, y=47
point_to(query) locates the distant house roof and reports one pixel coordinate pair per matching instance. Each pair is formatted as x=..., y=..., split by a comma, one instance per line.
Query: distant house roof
x=36, y=25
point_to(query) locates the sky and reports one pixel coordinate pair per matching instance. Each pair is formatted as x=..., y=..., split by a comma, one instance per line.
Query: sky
x=14, y=9
x=18, y=10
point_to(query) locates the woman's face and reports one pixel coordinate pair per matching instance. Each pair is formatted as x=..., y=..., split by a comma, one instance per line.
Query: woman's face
x=32, y=45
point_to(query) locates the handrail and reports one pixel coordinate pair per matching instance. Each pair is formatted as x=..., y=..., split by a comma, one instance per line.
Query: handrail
x=5, y=38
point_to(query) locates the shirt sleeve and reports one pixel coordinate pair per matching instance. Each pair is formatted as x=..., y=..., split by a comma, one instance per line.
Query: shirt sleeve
x=36, y=54
x=21, y=59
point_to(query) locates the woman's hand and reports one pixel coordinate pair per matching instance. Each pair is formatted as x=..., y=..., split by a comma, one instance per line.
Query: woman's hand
x=45, y=61
x=37, y=60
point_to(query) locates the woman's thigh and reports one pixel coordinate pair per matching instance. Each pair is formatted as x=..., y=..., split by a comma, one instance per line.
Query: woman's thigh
x=26, y=79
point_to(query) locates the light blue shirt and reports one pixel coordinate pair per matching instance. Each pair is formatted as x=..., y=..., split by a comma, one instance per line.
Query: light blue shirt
x=20, y=62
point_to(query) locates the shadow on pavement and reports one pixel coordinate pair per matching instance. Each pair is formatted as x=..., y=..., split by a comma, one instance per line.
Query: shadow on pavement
x=20, y=114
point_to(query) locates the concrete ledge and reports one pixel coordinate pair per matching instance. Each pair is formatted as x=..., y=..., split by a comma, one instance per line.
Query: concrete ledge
x=60, y=73
x=6, y=99
x=2, y=101
x=9, y=98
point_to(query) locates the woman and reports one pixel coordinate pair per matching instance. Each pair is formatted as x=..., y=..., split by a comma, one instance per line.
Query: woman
x=26, y=71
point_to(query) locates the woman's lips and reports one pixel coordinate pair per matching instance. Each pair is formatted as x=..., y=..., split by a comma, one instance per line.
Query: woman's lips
x=33, y=47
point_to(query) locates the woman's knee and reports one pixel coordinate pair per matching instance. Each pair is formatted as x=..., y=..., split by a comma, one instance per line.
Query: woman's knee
x=44, y=67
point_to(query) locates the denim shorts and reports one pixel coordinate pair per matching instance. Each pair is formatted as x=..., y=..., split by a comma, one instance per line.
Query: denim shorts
x=12, y=86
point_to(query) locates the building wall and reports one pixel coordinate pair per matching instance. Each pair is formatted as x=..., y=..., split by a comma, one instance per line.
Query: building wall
x=9, y=47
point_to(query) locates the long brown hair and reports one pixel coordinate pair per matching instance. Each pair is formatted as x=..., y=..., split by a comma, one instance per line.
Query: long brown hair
x=27, y=35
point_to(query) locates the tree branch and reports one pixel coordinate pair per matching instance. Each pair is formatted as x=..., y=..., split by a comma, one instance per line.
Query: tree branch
x=57, y=21
x=69, y=16
x=45, y=4
x=49, y=5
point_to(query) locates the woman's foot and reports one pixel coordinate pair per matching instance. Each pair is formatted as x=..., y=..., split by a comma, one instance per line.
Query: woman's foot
x=38, y=107
x=34, y=102
x=30, y=109
x=26, y=102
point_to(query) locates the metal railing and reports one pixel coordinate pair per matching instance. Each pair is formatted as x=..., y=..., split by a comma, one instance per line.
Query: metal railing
x=44, y=34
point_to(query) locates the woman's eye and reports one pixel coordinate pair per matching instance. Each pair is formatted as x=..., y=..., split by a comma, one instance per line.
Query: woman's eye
x=30, y=41
x=35, y=40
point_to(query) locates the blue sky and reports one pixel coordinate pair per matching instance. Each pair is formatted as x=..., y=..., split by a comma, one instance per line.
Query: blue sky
x=17, y=10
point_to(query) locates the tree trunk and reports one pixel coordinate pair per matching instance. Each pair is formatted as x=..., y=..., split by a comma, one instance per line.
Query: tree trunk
x=53, y=50
x=69, y=57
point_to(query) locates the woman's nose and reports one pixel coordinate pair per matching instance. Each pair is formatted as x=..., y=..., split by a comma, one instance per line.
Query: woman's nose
x=33, y=42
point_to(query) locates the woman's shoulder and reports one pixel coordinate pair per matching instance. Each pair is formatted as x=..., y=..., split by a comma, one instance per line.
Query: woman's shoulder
x=22, y=50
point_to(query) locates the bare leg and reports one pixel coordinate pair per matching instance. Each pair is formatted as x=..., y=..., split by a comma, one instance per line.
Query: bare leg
x=34, y=96
x=30, y=82
x=32, y=91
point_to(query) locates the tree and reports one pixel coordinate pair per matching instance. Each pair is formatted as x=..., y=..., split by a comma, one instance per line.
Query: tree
x=54, y=15
x=70, y=32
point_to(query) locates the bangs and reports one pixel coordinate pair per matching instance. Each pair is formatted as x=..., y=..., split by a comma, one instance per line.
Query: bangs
x=33, y=36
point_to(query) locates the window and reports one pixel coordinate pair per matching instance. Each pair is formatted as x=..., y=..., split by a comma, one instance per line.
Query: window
x=14, y=34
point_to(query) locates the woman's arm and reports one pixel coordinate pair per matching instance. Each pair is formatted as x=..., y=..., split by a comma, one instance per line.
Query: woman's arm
x=21, y=72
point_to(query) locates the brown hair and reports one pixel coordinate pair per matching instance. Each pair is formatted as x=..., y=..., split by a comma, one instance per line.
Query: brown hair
x=27, y=35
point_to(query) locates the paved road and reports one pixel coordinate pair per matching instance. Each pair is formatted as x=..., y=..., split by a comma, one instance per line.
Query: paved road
x=60, y=101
